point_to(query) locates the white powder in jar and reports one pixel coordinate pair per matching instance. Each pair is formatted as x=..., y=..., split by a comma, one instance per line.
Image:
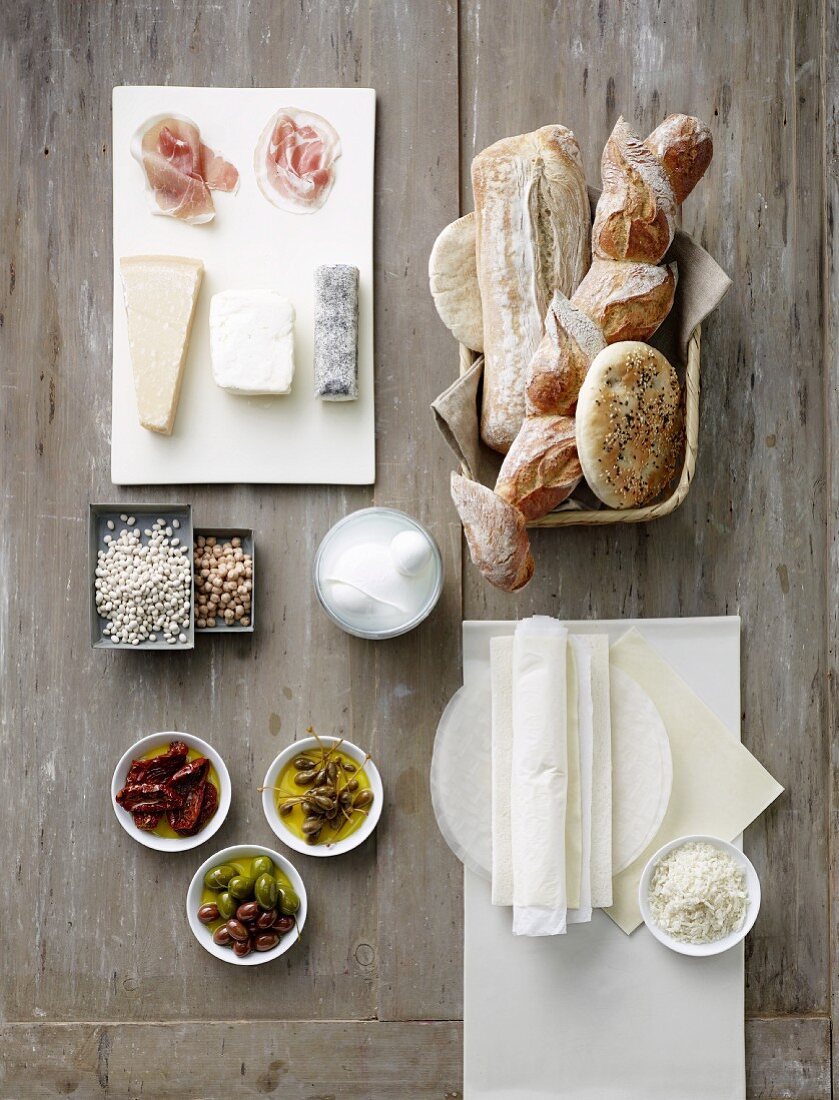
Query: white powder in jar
x=698, y=893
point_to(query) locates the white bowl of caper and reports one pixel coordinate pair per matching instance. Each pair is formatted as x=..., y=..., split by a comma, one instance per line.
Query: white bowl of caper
x=322, y=796
x=246, y=905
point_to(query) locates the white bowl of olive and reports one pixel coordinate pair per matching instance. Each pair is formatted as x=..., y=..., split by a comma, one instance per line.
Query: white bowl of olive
x=246, y=905
x=322, y=796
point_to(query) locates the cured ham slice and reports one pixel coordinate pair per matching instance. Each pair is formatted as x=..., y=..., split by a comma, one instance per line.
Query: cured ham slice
x=295, y=160
x=180, y=169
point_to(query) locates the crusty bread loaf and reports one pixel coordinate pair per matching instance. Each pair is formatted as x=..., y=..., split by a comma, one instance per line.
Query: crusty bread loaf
x=635, y=217
x=532, y=236
x=453, y=278
x=684, y=147
x=495, y=533
x=541, y=469
x=630, y=425
x=627, y=300
x=559, y=365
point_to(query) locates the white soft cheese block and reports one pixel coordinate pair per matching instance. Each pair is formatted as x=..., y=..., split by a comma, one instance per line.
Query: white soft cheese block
x=160, y=296
x=252, y=341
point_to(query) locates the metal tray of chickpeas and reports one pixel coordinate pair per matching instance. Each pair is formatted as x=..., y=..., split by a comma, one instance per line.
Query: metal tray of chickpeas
x=141, y=576
x=224, y=570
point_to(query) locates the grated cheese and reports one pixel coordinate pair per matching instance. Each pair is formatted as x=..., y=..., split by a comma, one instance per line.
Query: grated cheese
x=698, y=894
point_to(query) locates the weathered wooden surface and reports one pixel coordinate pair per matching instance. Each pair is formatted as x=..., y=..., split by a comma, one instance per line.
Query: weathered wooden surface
x=788, y=1058
x=95, y=920
x=294, y=1061
x=98, y=918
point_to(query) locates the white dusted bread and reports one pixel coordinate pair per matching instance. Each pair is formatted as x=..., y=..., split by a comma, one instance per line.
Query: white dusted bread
x=453, y=278
x=533, y=222
x=630, y=426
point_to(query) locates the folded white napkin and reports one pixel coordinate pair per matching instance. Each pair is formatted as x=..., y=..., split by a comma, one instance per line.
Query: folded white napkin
x=539, y=789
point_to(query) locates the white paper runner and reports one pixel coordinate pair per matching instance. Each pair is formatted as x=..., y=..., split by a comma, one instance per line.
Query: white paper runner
x=597, y=1015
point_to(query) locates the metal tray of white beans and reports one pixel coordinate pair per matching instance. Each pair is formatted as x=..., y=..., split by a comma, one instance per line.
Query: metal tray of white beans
x=235, y=596
x=141, y=589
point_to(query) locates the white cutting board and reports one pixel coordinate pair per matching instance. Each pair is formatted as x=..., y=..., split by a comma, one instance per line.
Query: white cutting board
x=597, y=1015
x=219, y=437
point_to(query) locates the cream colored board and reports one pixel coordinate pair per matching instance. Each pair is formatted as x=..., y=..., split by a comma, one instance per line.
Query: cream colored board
x=220, y=437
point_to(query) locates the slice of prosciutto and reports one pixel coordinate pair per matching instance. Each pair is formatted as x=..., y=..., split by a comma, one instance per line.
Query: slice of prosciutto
x=295, y=160
x=180, y=170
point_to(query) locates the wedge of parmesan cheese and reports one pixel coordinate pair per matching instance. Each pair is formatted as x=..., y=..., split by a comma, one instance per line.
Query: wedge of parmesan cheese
x=160, y=296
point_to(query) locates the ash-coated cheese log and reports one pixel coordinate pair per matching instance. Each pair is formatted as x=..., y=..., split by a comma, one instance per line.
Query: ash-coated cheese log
x=336, y=332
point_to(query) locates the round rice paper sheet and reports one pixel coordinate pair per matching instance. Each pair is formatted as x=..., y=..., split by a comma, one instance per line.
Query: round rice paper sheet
x=461, y=772
x=461, y=776
x=642, y=769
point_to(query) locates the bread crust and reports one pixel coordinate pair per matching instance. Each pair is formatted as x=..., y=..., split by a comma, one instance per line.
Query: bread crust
x=542, y=467
x=635, y=217
x=559, y=364
x=630, y=425
x=628, y=300
x=532, y=238
x=495, y=533
x=684, y=146
x=453, y=279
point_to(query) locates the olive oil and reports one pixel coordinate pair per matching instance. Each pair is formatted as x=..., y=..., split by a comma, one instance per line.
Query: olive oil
x=163, y=828
x=288, y=788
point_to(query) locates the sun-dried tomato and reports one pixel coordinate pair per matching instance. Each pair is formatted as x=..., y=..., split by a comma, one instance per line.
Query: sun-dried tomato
x=159, y=768
x=189, y=783
x=148, y=797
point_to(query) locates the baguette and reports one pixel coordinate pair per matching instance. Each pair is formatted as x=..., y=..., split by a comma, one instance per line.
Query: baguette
x=636, y=212
x=559, y=365
x=627, y=300
x=541, y=469
x=684, y=147
x=532, y=238
x=495, y=533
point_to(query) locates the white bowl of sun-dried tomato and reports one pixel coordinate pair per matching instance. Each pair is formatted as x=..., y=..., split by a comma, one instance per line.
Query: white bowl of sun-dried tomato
x=171, y=791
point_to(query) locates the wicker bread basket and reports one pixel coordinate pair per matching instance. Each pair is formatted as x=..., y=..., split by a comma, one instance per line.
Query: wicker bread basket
x=579, y=517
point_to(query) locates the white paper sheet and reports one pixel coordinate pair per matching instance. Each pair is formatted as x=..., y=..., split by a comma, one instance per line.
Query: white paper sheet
x=596, y=1015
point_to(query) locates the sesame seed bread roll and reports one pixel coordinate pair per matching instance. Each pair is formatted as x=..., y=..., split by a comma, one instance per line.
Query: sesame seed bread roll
x=630, y=426
x=533, y=227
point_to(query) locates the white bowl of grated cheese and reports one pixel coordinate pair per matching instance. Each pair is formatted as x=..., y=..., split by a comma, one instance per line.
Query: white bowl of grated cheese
x=699, y=895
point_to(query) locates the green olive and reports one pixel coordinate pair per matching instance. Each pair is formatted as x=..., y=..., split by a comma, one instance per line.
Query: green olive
x=227, y=905
x=288, y=901
x=262, y=865
x=219, y=877
x=265, y=891
x=241, y=887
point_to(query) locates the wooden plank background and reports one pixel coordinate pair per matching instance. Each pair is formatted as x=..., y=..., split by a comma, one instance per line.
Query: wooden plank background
x=97, y=953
